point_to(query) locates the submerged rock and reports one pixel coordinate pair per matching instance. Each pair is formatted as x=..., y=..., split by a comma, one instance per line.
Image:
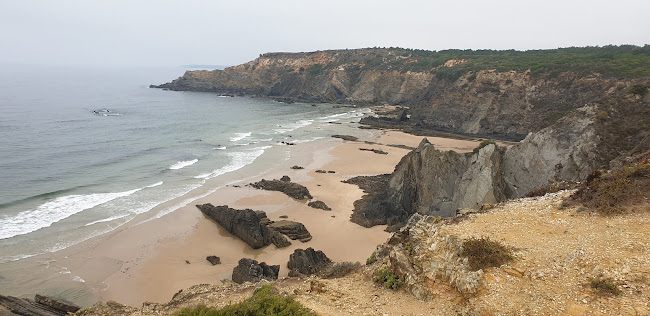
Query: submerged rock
x=249, y=270
x=307, y=262
x=346, y=137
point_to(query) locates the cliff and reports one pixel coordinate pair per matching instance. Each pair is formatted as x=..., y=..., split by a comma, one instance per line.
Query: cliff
x=498, y=94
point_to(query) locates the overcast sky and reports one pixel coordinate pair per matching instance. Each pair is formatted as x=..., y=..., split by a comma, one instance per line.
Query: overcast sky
x=138, y=32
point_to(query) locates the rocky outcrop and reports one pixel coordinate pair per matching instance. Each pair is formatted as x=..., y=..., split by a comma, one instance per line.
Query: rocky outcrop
x=430, y=182
x=319, y=205
x=40, y=306
x=214, y=260
x=250, y=226
x=249, y=270
x=284, y=185
x=307, y=262
x=422, y=251
x=293, y=230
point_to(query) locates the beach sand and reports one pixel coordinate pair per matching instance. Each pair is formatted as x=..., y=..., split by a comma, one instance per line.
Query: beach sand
x=149, y=261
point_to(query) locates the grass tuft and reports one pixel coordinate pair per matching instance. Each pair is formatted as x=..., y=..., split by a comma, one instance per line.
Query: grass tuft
x=604, y=286
x=485, y=253
x=388, y=279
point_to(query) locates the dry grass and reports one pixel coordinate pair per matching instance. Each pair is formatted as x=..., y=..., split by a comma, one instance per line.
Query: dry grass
x=616, y=191
x=605, y=286
x=485, y=253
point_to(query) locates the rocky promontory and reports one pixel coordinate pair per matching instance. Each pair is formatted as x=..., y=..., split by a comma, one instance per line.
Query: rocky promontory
x=496, y=94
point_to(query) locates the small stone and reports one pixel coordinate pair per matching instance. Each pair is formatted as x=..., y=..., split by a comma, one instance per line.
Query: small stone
x=214, y=260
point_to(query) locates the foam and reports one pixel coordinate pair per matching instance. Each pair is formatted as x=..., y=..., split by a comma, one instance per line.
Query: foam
x=183, y=164
x=53, y=211
x=292, y=127
x=238, y=160
x=240, y=136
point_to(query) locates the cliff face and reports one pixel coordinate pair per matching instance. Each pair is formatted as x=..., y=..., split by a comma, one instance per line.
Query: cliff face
x=435, y=183
x=479, y=101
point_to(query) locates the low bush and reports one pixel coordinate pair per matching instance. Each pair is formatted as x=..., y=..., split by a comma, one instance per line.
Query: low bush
x=265, y=301
x=372, y=259
x=615, y=191
x=388, y=279
x=339, y=270
x=484, y=253
x=604, y=286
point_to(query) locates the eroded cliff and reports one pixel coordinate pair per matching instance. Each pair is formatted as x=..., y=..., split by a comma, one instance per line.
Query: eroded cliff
x=499, y=94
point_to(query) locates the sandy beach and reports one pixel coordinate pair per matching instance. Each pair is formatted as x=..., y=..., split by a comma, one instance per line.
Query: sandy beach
x=149, y=261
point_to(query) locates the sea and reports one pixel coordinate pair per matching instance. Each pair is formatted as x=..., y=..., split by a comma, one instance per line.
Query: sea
x=84, y=150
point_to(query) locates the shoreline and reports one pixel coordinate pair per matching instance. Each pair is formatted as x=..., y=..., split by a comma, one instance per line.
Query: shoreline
x=146, y=261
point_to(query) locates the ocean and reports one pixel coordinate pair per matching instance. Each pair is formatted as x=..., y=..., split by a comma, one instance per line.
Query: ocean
x=83, y=151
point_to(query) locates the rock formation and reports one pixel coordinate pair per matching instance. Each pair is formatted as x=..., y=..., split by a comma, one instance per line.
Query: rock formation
x=307, y=262
x=319, y=205
x=40, y=306
x=250, y=226
x=248, y=270
x=285, y=186
x=430, y=182
x=214, y=260
x=293, y=230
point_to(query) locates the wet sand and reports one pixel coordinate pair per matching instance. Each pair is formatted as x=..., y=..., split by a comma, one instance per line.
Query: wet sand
x=149, y=261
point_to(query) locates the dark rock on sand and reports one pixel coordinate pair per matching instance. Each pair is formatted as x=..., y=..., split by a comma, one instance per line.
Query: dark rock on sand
x=346, y=137
x=297, y=167
x=284, y=216
x=250, y=226
x=285, y=186
x=321, y=171
x=40, y=306
x=307, y=262
x=248, y=270
x=214, y=260
x=376, y=151
x=293, y=230
x=319, y=205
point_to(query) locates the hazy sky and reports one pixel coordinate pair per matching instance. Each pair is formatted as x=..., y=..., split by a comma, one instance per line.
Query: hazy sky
x=114, y=32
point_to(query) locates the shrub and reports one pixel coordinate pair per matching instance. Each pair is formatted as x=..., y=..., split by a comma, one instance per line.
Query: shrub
x=265, y=301
x=604, y=286
x=612, y=192
x=372, y=259
x=339, y=270
x=388, y=279
x=639, y=90
x=315, y=69
x=482, y=144
x=484, y=253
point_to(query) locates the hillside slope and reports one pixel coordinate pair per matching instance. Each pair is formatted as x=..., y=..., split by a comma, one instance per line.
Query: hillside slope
x=498, y=94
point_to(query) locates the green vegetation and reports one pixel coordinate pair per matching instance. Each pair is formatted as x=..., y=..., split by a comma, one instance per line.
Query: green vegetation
x=625, y=61
x=339, y=270
x=315, y=69
x=614, y=191
x=372, y=259
x=388, y=279
x=604, y=286
x=639, y=90
x=265, y=301
x=481, y=145
x=484, y=253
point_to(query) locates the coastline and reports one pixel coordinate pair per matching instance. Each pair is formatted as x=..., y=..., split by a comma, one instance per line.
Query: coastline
x=146, y=261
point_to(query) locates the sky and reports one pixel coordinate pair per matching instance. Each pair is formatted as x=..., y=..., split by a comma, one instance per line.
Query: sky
x=214, y=32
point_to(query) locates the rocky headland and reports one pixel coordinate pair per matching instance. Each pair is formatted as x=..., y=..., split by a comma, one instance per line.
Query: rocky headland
x=572, y=120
